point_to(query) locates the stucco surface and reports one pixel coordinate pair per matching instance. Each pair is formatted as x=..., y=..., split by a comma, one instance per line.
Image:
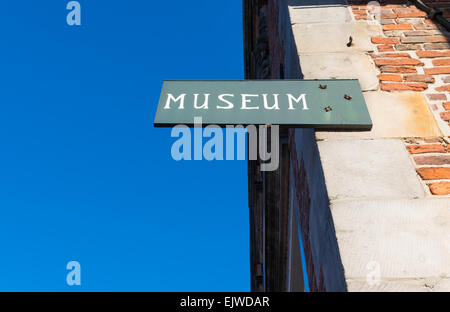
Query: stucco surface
x=308, y=15
x=333, y=37
x=341, y=66
x=394, y=115
x=368, y=169
x=409, y=239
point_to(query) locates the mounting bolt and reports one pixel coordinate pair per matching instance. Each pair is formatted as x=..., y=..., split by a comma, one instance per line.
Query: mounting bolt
x=350, y=41
x=322, y=86
x=328, y=109
x=347, y=97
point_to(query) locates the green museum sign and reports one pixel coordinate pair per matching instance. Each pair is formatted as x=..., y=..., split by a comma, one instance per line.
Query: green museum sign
x=325, y=104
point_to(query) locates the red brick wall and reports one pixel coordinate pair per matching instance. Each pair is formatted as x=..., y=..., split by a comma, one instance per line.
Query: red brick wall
x=432, y=158
x=410, y=38
x=414, y=55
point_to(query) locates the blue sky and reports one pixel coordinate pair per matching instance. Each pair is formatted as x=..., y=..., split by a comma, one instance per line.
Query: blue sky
x=84, y=175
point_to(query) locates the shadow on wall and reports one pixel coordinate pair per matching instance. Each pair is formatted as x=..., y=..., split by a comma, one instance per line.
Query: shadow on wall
x=324, y=269
x=271, y=53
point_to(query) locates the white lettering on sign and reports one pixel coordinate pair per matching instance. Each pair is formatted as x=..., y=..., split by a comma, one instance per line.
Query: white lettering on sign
x=275, y=99
x=248, y=101
x=245, y=100
x=302, y=97
x=221, y=98
x=179, y=98
x=205, y=103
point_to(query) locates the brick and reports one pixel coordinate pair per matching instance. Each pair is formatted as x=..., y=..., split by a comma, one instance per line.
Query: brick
x=408, y=47
x=400, y=54
x=360, y=14
x=425, y=27
x=360, y=17
x=432, y=140
x=416, y=39
x=422, y=33
x=393, y=33
x=398, y=27
x=441, y=62
x=389, y=77
x=446, y=105
x=429, y=22
x=437, y=39
x=385, y=48
x=409, y=13
x=437, y=70
x=391, y=5
x=388, y=15
x=419, y=78
x=398, y=69
x=386, y=21
x=431, y=54
x=435, y=173
x=437, y=97
x=425, y=148
x=445, y=116
x=384, y=40
x=413, y=21
x=404, y=86
x=432, y=160
x=398, y=62
x=436, y=46
x=445, y=88
x=441, y=188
